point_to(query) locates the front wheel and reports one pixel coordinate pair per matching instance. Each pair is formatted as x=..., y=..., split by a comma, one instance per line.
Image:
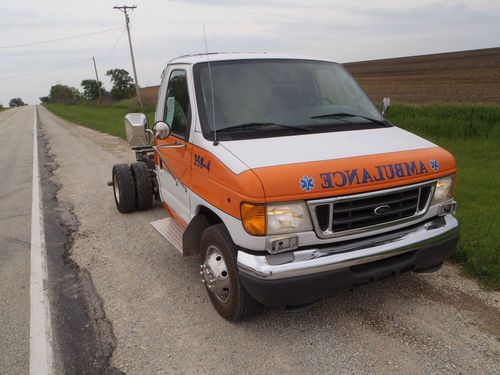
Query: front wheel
x=220, y=275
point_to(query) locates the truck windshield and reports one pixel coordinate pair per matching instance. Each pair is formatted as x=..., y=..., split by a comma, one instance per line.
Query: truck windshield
x=268, y=97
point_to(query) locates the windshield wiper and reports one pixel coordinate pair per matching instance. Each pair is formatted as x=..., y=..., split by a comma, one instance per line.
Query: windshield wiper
x=343, y=114
x=252, y=125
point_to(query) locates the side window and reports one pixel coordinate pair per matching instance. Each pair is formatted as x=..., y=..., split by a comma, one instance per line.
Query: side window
x=177, y=111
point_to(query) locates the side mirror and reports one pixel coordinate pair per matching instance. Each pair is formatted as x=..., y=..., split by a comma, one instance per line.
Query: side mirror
x=161, y=129
x=136, y=126
x=386, y=103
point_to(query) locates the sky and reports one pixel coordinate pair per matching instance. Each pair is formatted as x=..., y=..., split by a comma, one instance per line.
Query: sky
x=343, y=31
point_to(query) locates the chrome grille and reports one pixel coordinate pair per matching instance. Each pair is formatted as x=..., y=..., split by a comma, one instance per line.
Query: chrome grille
x=368, y=211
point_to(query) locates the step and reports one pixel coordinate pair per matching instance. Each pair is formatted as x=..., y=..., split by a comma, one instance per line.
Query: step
x=171, y=230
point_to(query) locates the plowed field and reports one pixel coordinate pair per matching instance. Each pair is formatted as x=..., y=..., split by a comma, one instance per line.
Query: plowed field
x=460, y=77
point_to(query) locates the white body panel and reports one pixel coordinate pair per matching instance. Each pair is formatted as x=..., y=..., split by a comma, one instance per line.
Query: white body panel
x=223, y=154
x=173, y=193
x=265, y=152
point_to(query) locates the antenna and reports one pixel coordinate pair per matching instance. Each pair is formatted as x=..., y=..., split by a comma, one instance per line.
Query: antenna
x=216, y=142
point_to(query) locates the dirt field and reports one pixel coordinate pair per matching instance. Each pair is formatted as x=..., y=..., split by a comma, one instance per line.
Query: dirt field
x=460, y=77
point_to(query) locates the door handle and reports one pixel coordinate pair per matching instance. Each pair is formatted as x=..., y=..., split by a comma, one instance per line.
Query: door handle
x=176, y=144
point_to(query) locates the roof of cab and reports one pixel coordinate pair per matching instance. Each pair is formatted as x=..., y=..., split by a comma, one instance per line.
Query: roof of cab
x=220, y=56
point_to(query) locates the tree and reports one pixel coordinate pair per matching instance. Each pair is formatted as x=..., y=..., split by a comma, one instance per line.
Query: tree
x=77, y=95
x=91, y=89
x=123, y=86
x=44, y=99
x=1, y=107
x=16, y=102
x=63, y=94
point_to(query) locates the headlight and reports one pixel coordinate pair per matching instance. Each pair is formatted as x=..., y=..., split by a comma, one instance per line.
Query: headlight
x=287, y=218
x=444, y=189
x=259, y=219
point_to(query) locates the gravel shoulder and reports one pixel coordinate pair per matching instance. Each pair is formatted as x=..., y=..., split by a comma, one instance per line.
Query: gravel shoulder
x=163, y=322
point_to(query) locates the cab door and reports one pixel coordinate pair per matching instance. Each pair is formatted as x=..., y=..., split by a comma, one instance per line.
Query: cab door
x=174, y=165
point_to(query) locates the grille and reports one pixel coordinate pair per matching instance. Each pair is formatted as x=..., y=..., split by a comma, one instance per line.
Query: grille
x=360, y=212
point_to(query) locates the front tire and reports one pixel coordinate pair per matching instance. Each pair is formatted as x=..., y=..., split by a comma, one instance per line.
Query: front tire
x=220, y=275
x=123, y=188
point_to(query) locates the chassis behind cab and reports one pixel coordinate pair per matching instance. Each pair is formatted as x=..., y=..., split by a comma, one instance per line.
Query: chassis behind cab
x=286, y=179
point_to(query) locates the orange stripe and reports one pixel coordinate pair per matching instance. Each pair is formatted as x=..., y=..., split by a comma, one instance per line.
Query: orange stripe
x=174, y=216
x=226, y=190
x=282, y=182
x=221, y=187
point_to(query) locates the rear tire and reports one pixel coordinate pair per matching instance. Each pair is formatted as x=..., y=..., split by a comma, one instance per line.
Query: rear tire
x=143, y=186
x=220, y=274
x=123, y=188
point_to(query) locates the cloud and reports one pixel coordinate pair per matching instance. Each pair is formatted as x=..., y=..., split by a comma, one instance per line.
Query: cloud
x=336, y=29
x=228, y=3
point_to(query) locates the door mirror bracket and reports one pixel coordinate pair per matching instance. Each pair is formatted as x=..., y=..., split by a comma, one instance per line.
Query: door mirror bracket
x=161, y=129
x=386, y=103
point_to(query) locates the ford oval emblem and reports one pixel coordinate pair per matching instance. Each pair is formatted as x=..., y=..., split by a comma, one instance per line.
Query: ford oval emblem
x=380, y=210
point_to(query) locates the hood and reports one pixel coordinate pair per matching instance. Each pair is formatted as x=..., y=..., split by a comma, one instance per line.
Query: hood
x=339, y=163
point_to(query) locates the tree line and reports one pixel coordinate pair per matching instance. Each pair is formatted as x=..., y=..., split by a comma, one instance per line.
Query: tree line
x=14, y=102
x=93, y=90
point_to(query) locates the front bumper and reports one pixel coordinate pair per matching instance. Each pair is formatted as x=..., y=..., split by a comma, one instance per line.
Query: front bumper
x=306, y=275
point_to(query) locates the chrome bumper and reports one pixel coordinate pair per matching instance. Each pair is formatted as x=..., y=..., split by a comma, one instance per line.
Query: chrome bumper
x=312, y=261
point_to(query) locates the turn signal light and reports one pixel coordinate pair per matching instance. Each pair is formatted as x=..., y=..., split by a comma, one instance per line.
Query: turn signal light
x=253, y=217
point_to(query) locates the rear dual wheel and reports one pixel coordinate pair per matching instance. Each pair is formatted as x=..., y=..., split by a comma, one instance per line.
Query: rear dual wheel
x=123, y=188
x=143, y=186
x=132, y=187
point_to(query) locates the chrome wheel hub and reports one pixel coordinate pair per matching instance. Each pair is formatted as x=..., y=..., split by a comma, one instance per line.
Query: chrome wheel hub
x=214, y=274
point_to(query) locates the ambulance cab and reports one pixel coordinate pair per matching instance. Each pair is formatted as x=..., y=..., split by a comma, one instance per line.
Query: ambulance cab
x=286, y=180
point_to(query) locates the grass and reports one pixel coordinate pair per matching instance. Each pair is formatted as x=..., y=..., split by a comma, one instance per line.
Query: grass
x=470, y=133
x=107, y=119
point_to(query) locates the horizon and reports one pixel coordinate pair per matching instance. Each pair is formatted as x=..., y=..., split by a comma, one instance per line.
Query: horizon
x=349, y=33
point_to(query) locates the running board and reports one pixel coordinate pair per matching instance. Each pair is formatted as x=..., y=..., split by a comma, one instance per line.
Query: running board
x=172, y=231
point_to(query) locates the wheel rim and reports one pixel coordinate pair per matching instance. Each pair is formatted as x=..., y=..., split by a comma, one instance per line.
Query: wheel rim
x=115, y=189
x=215, y=274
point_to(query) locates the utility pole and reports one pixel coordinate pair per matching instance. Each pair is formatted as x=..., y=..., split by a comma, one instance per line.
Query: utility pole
x=96, y=77
x=124, y=9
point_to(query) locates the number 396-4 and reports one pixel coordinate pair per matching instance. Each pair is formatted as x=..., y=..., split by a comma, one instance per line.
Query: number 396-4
x=199, y=161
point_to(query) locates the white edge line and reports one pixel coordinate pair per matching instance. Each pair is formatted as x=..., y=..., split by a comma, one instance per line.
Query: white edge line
x=40, y=331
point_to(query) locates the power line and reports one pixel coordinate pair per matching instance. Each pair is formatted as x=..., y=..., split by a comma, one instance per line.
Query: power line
x=114, y=46
x=45, y=71
x=60, y=39
x=67, y=65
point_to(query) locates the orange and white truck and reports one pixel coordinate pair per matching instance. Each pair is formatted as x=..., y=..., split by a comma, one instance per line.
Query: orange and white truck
x=286, y=180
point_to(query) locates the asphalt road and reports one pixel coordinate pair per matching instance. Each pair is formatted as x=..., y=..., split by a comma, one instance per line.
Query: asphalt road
x=16, y=155
x=149, y=313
